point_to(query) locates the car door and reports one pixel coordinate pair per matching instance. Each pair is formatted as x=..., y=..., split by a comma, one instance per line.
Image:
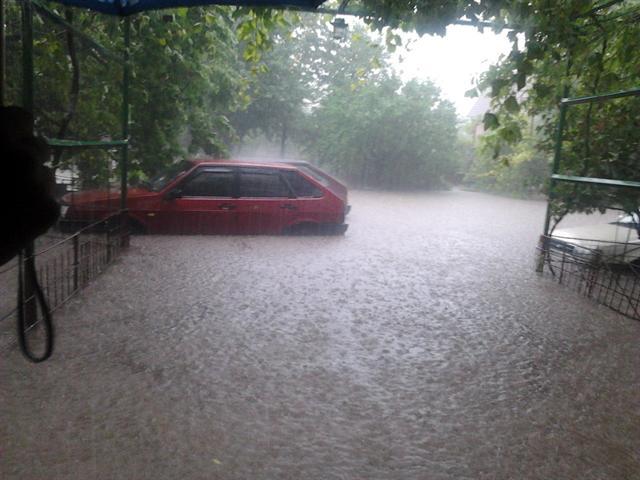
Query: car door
x=266, y=203
x=202, y=204
x=311, y=204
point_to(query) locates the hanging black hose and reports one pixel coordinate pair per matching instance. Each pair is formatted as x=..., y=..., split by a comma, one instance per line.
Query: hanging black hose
x=29, y=209
x=47, y=322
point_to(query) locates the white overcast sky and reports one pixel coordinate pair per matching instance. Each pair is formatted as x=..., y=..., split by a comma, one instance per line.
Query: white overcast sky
x=452, y=61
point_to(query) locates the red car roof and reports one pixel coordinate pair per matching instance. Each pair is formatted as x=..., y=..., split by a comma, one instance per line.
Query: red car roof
x=242, y=163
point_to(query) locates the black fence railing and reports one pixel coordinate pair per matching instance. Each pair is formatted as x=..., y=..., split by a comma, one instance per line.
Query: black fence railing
x=65, y=264
x=607, y=272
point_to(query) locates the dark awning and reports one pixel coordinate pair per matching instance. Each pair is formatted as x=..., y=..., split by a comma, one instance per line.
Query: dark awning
x=128, y=7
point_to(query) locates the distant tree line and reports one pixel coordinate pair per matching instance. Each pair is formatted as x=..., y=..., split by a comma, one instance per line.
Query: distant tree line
x=340, y=101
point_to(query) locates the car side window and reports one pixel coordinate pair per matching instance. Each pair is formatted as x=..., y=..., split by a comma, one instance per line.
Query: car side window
x=301, y=186
x=262, y=183
x=209, y=184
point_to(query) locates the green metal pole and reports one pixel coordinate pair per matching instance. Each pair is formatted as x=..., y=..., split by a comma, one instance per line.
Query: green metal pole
x=27, y=55
x=124, y=161
x=554, y=170
x=27, y=103
x=556, y=163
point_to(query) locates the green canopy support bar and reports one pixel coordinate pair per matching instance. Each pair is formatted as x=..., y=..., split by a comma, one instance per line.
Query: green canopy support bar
x=103, y=144
x=603, y=182
x=601, y=98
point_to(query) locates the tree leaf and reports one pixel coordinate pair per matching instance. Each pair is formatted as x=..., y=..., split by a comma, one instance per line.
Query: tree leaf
x=490, y=121
x=511, y=105
x=521, y=80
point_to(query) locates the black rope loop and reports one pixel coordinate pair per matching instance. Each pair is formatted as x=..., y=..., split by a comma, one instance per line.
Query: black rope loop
x=22, y=320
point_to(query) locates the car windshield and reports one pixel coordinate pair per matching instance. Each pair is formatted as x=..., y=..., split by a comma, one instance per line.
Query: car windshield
x=162, y=179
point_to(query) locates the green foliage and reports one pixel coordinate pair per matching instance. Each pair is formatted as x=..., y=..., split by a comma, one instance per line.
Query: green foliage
x=340, y=101
x=433, y=16
x=305, y=65
x=521, y=169
x=254, y=26
x=275, y=90
x=187, y=77
x=381, y=134
x=574, y=48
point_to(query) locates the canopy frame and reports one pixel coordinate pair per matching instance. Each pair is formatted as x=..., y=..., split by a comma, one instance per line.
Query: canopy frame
x=556, y=177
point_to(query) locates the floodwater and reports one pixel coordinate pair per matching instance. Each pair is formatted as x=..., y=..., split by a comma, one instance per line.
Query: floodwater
x=421, y=345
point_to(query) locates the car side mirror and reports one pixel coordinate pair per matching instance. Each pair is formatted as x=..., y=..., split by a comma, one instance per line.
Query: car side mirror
x=173, y=194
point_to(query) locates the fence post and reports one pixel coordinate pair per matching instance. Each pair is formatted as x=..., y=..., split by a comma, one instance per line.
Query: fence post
x=108, y=240
x=562, y=265
x=76, y=256
x=543, y=242
x=593, y=273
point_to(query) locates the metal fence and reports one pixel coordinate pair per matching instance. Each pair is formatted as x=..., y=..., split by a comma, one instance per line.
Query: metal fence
x=65, y=264
x=611, y=279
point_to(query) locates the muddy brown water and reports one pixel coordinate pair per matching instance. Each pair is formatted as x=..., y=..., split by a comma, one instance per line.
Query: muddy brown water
x=419, y=346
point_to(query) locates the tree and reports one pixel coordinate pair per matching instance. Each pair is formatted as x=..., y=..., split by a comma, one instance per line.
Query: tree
x=304, y=65
x=188, y=76
x=276, y=93
x=383, y=134
x=349, y=111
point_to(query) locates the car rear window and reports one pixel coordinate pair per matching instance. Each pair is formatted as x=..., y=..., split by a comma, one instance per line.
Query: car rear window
x=315, y=175
x=262, y=183
x=301, y=186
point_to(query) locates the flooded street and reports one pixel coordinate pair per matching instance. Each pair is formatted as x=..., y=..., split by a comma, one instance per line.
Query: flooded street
x=421, y=345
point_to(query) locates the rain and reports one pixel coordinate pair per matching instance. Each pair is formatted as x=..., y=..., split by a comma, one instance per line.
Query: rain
x=311, y=259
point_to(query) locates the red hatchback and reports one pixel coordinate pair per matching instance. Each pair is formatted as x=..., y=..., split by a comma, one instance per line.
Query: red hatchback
x=224, y=197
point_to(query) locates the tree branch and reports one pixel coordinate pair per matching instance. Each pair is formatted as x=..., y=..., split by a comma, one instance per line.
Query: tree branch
x=597, y=8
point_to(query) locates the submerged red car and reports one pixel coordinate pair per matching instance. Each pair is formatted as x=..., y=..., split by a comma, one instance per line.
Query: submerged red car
x=224, y=197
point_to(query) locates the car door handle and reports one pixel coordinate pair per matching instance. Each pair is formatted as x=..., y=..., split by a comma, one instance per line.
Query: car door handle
x=227, y=206
x=288, y=206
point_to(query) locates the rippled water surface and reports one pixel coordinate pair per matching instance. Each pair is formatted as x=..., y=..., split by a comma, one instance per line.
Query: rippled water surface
x=419, y=346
